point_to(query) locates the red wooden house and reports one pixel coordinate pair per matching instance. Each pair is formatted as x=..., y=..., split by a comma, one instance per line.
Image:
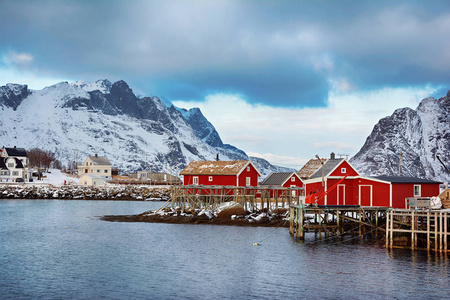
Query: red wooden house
x=341, y=184
x=283, y=180
x=223, y=173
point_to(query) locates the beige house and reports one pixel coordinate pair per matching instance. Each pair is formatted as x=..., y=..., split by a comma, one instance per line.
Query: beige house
x=92, y=179
x=96, y=165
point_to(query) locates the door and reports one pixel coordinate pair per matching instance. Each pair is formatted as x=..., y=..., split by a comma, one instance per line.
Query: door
x=365, y=195
x=341, y=194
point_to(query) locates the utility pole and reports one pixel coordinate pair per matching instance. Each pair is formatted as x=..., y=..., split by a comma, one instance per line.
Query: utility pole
x=323, y=175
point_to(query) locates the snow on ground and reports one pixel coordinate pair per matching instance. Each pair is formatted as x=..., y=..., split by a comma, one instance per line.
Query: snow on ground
x=56, y=177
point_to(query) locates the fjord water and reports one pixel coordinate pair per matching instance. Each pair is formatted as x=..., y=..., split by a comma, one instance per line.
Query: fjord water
x=58, y=249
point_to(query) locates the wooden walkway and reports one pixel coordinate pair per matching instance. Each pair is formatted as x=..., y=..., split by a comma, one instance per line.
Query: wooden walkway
x=336, y=220
x=422, y=230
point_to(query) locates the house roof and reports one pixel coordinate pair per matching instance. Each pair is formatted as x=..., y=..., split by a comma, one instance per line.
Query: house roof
x=401, y=179
x=277, y=178
x=310, y=168
x=16, y=151
x=100, y=160
x=3, y=164
x=215, y=167
x=93, y=176
x=328, y=167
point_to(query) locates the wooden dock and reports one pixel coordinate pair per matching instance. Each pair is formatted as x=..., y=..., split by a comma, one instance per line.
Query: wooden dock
x=336, y=220
x=421, y=230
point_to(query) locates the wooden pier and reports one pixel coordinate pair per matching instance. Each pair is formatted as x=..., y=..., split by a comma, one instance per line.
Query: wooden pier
x=421, y=230
x=336, y=220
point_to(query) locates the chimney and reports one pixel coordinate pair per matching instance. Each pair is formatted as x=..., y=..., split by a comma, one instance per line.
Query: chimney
x=217, y=157
x=96, y=155
x=332, y=155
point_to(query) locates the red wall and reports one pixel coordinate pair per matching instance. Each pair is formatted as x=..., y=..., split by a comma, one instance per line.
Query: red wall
x=349, y=170
x=400, y=191
x=225, y=179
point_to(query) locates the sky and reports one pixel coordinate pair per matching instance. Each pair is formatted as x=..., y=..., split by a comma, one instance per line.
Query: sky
x=282, y=80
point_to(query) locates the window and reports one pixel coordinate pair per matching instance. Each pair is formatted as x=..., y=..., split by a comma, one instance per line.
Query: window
x=248, y=168
x=210, y=178
x=15, y=173
x=195, y=180
x=343, y=170
x=106, y=171
x=293, y=179
x=247, y=181
x=10, y=165
x=417, y=191
x=98, y=171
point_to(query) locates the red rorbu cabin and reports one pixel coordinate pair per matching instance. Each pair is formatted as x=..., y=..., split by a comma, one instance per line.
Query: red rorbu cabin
x=224, y=173
x=341, y=184
x=283, y=180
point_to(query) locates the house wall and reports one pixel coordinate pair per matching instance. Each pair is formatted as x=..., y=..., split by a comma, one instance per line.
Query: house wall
x=348, y=170
x=401, y=191
x=216, y=180
x=252, y=173
x=89, y=167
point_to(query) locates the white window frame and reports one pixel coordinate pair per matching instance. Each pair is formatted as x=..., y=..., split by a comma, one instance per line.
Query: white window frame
x=195, y=180
x=343, y=170
x=420, y=190
x=248, y=180
x=210, y=178
x=292, y=179
x=248, y=168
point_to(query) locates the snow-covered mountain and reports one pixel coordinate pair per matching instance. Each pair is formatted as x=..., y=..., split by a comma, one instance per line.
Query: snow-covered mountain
x=78, y=119
x=419, y=135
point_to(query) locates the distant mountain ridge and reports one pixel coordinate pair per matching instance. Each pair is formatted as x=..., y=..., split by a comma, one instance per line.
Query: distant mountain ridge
x=78, y=119
x=412, y=137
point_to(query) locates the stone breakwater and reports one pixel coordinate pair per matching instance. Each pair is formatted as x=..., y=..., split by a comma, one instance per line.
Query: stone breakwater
x=73, y=192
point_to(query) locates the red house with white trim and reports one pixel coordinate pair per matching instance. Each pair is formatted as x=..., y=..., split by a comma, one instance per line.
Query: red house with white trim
x=224, y=173
x=341, y=184
x=283, y=180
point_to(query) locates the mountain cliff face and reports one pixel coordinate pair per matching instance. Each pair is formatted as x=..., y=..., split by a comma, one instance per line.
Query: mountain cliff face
x=78, y=119
x=412, y=137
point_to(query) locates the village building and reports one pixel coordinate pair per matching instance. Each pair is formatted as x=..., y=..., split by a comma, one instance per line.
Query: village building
x=283, y=180
x=96, y=165
x=238, y=173
x=337, y=182
x=155, y=178
x=14, y=165
x=92, y=179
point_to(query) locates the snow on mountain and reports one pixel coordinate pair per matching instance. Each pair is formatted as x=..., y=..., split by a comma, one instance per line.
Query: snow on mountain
x=412, y=137
x=78, y=119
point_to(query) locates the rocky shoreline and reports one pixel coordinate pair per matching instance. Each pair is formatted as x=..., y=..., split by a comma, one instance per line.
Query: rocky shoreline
x=230, y=213
x=74, y=192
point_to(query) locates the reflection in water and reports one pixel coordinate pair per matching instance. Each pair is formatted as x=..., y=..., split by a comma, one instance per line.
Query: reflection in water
x=60, y=249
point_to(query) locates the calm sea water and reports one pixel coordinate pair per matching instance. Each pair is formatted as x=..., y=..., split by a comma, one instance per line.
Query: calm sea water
x=60, y=250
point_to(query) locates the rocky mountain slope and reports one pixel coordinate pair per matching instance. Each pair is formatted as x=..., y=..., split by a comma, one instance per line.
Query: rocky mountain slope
x=412, y=137
x=78, y=119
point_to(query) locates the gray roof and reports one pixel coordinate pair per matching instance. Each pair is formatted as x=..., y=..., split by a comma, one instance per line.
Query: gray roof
x=100, y=160
x=401, y=179
x=277, y=178
x=16, y=151
x=328, y=166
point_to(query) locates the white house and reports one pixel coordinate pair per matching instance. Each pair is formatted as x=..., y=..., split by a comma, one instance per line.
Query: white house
x=92, y=179
x=96, y=165
x=14, y=165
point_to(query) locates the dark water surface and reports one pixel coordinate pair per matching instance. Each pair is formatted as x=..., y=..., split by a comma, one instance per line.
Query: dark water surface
x=55, y=249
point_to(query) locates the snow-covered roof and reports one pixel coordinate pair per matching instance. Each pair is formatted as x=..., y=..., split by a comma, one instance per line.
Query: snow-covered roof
x=100, y=160
x=215, y=167
x=310, y=167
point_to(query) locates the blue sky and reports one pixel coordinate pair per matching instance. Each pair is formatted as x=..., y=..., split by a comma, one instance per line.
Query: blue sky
x=284, y=80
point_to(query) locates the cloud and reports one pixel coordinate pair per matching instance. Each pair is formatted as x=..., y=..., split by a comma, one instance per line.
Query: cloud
x=18, y=58
x=292, y=136
x=276, y=53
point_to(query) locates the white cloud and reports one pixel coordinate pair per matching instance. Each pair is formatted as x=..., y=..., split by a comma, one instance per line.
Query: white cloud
x=296, y=135
x=18, y=58
x=34, y=81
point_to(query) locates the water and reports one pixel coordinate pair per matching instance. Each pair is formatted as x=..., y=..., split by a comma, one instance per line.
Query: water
x=60, y=250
